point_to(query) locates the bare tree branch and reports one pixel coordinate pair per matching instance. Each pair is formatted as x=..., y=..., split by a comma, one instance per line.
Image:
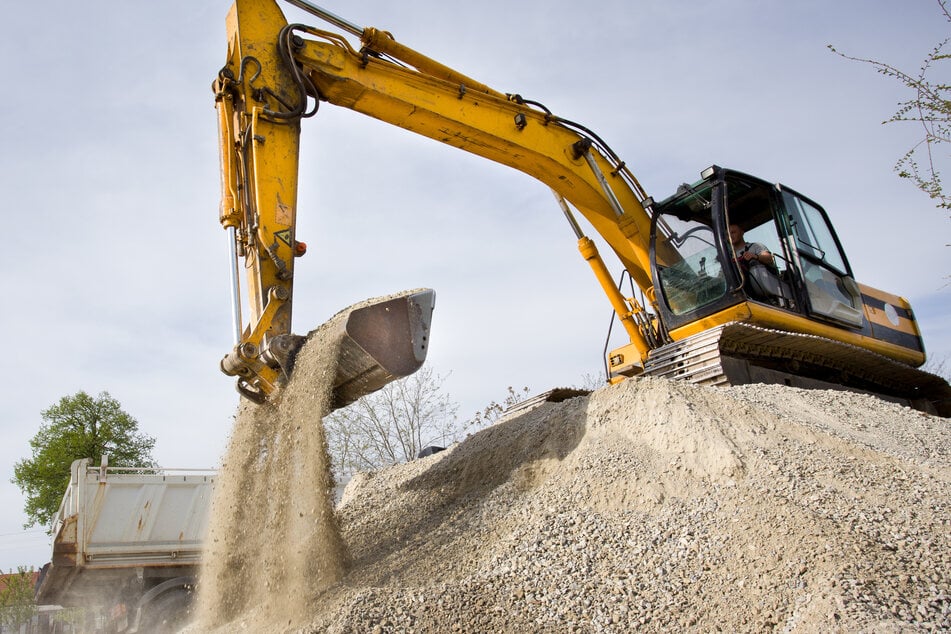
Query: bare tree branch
x=931, y=108
x=392, y=425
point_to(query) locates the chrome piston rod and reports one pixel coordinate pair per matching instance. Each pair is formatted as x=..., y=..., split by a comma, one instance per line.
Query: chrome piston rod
x=327, y=16
x=235, y=287
x=608, y=192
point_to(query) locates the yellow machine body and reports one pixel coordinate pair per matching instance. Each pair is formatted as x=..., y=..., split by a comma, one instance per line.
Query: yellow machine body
x=276, y=73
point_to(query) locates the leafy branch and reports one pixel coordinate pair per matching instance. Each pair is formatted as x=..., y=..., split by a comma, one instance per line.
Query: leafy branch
x=930, y=107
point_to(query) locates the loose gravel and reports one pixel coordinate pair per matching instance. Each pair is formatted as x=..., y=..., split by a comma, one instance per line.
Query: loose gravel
x=655, y=506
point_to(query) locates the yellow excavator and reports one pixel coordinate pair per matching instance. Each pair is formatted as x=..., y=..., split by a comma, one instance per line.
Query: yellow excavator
x=691, y=305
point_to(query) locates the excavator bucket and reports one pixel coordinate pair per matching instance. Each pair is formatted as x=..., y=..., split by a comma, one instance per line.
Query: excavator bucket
x=380, y=340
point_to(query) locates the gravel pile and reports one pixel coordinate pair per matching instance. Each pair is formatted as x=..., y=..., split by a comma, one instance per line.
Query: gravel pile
x=649, y=505
x=659, y=506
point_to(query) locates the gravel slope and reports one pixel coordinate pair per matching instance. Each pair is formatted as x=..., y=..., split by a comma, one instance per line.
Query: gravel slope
x=659, y=506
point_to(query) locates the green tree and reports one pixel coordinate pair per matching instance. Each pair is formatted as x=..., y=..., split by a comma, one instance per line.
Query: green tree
x=16, y=599
x=929, y=106
x=77, y=427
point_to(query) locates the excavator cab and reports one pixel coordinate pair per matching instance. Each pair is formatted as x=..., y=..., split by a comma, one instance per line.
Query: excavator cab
x=697, y=273
x=801, y=321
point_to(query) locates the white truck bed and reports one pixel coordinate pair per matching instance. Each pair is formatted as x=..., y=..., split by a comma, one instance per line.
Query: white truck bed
x=120, y=529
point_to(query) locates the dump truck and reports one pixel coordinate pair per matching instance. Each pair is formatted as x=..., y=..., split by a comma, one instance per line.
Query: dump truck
x=127, y=544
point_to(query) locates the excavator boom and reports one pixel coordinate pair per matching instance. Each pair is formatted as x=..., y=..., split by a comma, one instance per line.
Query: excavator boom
x=262, y=94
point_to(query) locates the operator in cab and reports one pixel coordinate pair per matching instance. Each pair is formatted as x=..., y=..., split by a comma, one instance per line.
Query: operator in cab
x=760, y=276
x=747, y=252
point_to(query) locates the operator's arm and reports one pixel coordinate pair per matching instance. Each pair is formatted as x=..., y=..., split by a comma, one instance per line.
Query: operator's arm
x=758, y=253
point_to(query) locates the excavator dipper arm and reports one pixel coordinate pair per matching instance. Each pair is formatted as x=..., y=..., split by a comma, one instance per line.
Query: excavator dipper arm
x=260, y=102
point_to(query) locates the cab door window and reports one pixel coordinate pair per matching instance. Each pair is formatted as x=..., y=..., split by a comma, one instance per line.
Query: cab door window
x=831, y=290
x=688, y=265
x=750, y=211
x=768, y=283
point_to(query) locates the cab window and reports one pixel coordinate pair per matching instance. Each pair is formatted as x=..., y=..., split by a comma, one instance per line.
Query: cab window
x=832, y=292
x=813, y=236
x=688, y=264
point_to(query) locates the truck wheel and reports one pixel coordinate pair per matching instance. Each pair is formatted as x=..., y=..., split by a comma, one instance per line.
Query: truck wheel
x=166, y=613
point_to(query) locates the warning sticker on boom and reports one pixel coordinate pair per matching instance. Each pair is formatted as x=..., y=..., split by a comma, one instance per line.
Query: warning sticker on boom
x=284, y=236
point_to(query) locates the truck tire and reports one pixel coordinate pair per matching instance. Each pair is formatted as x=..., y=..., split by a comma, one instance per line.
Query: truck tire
x=166, y=613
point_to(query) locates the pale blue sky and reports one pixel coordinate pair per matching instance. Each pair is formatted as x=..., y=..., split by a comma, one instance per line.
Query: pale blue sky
x=116, y=271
